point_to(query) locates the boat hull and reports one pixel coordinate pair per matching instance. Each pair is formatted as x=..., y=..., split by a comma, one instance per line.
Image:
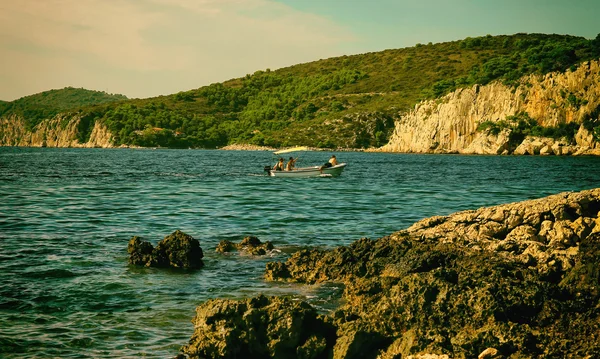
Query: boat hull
x=314, y=171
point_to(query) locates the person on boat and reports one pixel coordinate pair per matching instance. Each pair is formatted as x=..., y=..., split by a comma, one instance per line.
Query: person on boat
x=291, y=163
x=279, y=165
x=332, y=162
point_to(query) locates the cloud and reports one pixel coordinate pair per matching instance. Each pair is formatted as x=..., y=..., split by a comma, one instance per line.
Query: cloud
x=145, y=48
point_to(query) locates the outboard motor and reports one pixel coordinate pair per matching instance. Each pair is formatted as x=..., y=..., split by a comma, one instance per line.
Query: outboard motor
x=268, y=170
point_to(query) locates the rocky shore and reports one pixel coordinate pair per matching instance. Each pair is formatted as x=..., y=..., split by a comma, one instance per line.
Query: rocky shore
x=518, y=280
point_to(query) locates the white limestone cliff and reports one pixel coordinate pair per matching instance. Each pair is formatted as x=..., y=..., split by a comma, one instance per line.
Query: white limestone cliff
x=450, y=124
x=60, y=131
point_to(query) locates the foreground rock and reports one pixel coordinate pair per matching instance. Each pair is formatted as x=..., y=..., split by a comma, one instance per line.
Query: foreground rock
x=249, y=245
x=511, y=281
x=177, y=250
x=260, y=327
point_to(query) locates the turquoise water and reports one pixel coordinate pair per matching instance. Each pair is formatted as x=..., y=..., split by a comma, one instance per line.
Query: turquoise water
x=66, y=216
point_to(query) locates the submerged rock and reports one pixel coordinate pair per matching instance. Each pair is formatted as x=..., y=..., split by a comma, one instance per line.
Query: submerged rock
x=177, y=250
x=510, y=281
x=249, y=245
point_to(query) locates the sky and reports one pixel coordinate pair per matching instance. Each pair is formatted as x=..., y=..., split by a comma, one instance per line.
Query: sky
x=147, y=48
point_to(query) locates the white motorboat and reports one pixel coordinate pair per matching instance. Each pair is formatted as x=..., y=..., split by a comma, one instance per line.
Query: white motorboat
x=313, y=171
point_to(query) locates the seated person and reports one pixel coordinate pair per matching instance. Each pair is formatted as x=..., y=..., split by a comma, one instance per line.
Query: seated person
x=279, y=165
x=291, y=163
x=333, y=160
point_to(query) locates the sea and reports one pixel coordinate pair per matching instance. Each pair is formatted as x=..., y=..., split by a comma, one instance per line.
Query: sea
x=66, y=216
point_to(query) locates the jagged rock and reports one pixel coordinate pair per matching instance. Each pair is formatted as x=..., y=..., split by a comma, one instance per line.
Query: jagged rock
x=261, y=327
x=490, y=144
x=549, y=220
x=355, y=342
x=226, y=246
x=531, y=146
x=177, y=250
x=561, y=148
x=249, y=245
x=546, y=150
x=585, y=139
x=313, y=348
x=446, y=286
x=140, y=252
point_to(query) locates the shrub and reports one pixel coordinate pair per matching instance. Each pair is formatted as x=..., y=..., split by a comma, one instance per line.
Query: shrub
x=521, y=125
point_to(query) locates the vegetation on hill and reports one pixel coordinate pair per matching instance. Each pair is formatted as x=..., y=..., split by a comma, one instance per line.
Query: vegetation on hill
x=348, y=101
x=47, y=104
x=521, y=126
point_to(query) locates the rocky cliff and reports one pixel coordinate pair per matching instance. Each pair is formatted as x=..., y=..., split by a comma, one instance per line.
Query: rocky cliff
x=450, y=124
x=61, y=131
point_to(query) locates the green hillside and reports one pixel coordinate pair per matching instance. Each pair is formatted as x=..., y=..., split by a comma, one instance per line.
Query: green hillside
x=348, y=101
x=47, y=104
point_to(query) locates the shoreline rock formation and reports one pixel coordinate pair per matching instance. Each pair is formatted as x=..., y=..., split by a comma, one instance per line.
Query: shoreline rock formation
x=177, y=250
x=509, y=281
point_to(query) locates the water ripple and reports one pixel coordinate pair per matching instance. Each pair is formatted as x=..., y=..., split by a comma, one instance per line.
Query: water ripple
x=66, y=216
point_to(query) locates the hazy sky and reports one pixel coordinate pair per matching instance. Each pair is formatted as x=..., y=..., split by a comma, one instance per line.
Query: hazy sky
x=144, y=48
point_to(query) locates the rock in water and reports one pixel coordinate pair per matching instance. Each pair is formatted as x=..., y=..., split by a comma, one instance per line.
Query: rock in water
x=140, y=252
x=177, y=250
x=249, y=245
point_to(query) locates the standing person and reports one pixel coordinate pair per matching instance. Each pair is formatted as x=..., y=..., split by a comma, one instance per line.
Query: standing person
x=279, y=165
x=291, y=163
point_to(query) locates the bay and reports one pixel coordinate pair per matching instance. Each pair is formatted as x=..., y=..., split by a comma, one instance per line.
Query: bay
x=66, y=216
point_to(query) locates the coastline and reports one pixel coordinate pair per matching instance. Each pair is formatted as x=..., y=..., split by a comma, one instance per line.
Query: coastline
x=511, y=280
x=246, y=147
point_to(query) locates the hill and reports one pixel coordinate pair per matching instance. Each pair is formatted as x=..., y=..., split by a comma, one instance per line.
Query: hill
x=47, y=104
x=349, y=101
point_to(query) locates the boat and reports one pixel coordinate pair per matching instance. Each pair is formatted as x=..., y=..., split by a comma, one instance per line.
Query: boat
x=312, y=171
